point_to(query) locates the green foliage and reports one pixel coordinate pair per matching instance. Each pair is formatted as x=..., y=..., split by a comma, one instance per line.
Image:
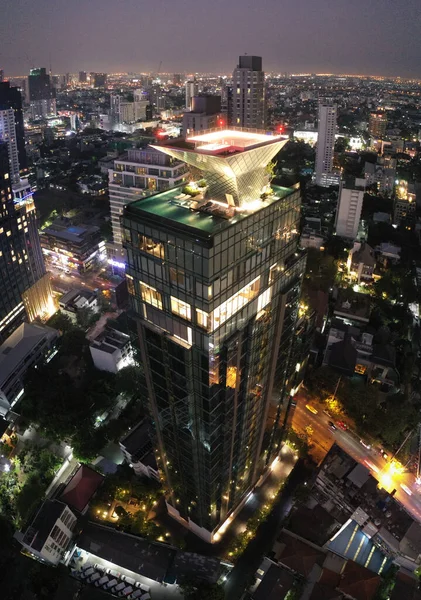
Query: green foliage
x=321, y=270
x=374, y=415
x=197, y=590
x=29, y=497
x=192, y=191
x=202, y=183
x=397, y=284
x=61, y=322
x=86, y=317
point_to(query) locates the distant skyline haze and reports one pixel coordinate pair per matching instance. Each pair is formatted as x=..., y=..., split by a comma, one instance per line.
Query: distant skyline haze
x=375, y=37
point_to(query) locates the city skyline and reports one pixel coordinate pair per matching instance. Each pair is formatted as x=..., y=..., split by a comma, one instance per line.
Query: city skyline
x=352, y=39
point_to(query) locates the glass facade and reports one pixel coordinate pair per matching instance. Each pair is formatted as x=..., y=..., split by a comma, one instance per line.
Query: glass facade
x=216, y=310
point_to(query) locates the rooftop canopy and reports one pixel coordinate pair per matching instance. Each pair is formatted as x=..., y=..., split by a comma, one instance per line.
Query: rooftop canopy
x=233, y=161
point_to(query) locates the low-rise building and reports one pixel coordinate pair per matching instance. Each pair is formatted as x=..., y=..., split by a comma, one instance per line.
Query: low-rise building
x=81, y=488
x=50, y=533
x=29, y=345
x=350, y=350
x=75, y=300
x=311, y=236
x=137, y=448
x=388, y=253
x=73, y=247
x=361, y=262
x=111, y=350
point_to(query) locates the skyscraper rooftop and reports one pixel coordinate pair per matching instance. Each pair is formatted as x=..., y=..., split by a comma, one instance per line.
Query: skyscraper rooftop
x=233, y=161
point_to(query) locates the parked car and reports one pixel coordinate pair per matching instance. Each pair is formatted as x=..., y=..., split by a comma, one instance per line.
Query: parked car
x=110, y=584
x=312, y=409
x=143, y=586
x=94, y=577
x=342, y=425
x=127, y=590
x=102, y=581
x=332, y=425
x=119, y=587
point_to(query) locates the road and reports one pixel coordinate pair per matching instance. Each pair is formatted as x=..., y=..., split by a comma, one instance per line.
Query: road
x=407, y=491
x=65, y=282
x=248, y=563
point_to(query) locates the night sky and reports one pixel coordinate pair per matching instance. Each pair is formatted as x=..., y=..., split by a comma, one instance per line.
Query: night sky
x=379, y=37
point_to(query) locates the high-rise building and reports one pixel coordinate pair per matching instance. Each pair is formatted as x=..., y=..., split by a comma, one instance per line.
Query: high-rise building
x=83, y=76
x=248, y=97
x=348, y=212
x=177, y=79
x=192, y=89
x=41, y=94
x=10, y=97
x=99, y=80
x=404, y=212
x=377, y=124
x=324, y=174
x=24, y=284
x=1, y=75
x=214, y=279
x=136, y=174
x=205, y=113
x=8, y=135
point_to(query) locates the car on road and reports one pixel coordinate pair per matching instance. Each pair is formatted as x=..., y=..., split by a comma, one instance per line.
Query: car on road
x=383, y=453
x=312, y=409
x=406, y=489
x=332, y=425
x=363, y=443
x=342, y=425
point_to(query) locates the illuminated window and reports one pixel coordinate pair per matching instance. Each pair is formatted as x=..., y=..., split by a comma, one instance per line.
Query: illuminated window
x=361, y=369
x=6, y=175
x=225, y=311
x=151, y=247
x=272, y=273
x=232, y=377
x=150, y=295
x=130, y=285
x=177, y=277
x=202, y=318
x=8, y=233
x=180, y=308
x=264, y=299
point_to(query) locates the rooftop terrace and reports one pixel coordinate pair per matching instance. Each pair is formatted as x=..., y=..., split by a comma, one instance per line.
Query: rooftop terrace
x=208, y=217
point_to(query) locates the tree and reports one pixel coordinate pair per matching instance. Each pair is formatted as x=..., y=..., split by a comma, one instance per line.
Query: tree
x=193, y=589
x=129, y=381
x=29, y=497
x=61, y=322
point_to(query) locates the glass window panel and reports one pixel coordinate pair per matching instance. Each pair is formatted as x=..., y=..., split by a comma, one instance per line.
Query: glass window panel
x=180, y=308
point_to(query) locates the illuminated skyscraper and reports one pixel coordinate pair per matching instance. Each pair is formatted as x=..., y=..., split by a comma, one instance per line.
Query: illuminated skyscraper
x=192, y=90
x=325, y=145
x=42, y=96
x=214, y=277
x=248, y=93
x=10, y=98
x=24, y=284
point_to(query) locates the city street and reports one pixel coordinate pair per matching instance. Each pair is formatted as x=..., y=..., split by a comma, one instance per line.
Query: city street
x=64, y=282
x=407, y=491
